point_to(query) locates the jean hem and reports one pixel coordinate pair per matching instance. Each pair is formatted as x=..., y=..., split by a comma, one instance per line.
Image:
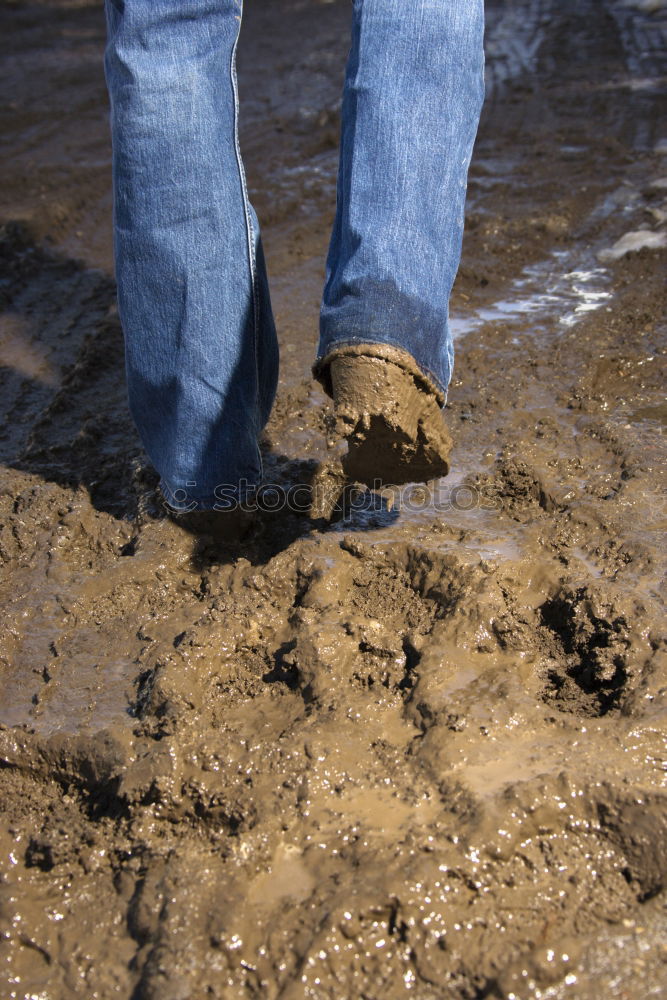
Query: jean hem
x=320, y=368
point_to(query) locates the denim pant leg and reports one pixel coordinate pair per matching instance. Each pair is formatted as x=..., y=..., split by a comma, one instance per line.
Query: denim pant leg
x=201, y=348
x=413, y=93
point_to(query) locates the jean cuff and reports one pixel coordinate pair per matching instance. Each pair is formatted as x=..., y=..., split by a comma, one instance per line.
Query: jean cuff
x=390, y=352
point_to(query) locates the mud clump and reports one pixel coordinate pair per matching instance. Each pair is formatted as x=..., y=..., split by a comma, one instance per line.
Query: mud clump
x=414, y=752
x=598, y=647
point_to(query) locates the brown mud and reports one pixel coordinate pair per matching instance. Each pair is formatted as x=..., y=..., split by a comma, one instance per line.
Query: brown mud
x=419, y=752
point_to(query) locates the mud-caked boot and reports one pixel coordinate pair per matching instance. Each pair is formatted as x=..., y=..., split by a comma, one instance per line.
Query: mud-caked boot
x=388, y=412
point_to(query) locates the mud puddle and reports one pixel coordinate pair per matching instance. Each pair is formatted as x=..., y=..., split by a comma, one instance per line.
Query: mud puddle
x=542, y=292
x=420, y=752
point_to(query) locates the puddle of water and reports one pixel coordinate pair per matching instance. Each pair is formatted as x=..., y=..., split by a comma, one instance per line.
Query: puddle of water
x=547, y=291
x=624, y=199
x=658, y=412
x=316, y=178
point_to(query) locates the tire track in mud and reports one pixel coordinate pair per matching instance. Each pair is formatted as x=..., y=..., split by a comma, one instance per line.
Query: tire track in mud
x=418, y=753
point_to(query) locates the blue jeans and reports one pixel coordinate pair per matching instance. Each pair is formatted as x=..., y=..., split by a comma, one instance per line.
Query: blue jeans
x=201, y=348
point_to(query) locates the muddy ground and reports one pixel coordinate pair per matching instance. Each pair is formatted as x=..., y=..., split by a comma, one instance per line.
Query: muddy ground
x=419, y=752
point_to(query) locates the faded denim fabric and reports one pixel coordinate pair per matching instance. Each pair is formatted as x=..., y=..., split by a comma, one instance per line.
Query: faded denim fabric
x=413, y=93
x=201, y=348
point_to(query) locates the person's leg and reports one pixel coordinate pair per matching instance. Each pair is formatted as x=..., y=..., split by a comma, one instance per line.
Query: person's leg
x=201, y=348
x=413, y=92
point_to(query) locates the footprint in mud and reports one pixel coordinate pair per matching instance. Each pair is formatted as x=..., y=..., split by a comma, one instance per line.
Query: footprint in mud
x=599, y=648
x=324, y=618
x=358, y=624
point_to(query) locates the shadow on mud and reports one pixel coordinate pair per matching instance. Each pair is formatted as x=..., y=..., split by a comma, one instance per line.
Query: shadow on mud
x=65, y=409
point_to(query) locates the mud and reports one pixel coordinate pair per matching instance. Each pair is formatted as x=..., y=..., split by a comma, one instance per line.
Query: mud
x=419, y=752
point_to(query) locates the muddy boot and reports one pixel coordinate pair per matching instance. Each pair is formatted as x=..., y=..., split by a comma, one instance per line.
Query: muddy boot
x=389, y=414
x=225, y=527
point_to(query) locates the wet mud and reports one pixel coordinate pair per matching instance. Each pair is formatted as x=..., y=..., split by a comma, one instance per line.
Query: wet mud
x=416, y=752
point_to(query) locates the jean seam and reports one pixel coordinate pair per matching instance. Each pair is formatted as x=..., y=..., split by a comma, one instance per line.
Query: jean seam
x=250, y=229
